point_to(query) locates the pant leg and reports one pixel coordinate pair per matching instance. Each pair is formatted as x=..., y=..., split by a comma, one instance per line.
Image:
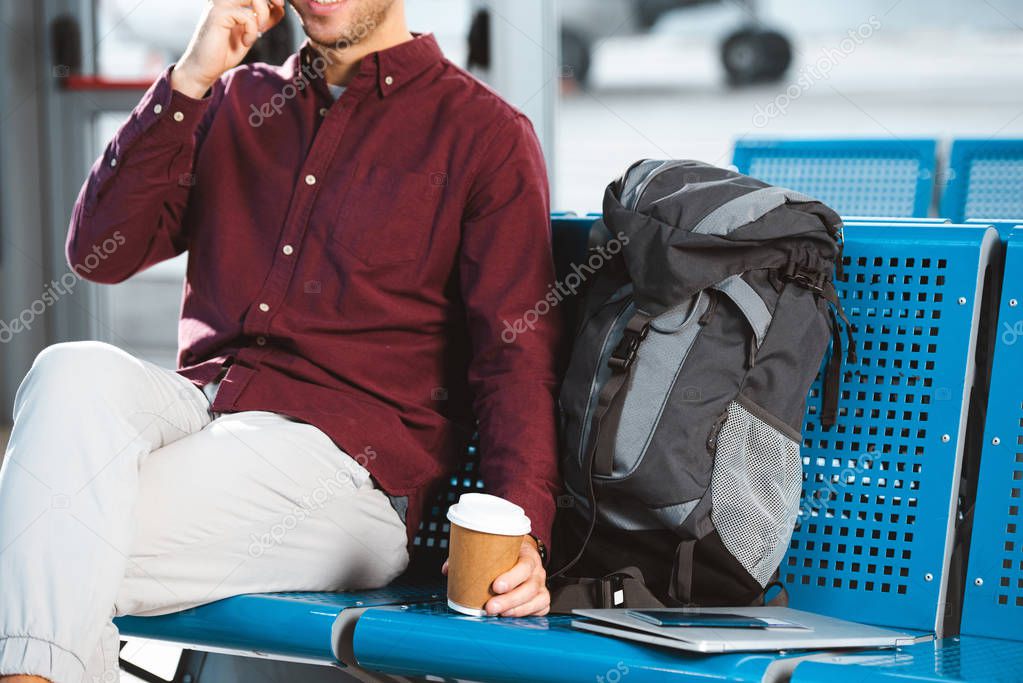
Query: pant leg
x=85, y=418
x=253, y=503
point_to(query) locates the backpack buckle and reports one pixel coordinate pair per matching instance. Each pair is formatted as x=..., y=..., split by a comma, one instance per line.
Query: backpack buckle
x=611, y=591
x=814, y=280
x=625, y=353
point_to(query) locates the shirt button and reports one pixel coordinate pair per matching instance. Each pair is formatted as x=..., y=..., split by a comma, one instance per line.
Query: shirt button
x=288, y=250
x=261, y=341
x=323, y=111
x=113, y=162
x=310, y=179
x=389, y=81
x=264, y=307
x=179, y=117
x=157, y=109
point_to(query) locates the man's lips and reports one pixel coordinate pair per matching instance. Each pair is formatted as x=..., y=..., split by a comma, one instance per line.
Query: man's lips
x=326, y=7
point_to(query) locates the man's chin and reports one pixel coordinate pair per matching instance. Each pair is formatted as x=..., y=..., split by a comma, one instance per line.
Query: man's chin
x=330, y=39
x=348, y=26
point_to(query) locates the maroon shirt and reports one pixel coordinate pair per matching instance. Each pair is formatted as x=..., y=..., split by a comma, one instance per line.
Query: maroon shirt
x=357, y=265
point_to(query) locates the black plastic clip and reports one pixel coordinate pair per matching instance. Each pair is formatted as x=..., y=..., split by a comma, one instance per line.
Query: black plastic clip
x=625, y=353
x=813, y=280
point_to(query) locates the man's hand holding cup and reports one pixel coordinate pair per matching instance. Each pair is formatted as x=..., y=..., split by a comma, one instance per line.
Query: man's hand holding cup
x=494, y=567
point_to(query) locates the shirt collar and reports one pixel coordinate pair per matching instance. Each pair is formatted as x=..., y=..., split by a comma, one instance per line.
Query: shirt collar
x=391, y=68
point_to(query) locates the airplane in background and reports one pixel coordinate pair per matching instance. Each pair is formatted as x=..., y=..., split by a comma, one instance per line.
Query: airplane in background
x=750, y=53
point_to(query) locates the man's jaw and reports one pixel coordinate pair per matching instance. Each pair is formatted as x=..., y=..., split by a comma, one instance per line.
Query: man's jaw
x=323, y=23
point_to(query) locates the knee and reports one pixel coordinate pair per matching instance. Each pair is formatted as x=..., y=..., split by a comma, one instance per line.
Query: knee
x=71, y=367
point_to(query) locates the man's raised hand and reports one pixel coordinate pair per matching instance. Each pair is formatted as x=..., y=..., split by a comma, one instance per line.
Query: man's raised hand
x=226, y=31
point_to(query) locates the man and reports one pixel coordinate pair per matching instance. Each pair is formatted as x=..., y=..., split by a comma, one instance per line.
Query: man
x=355, y=267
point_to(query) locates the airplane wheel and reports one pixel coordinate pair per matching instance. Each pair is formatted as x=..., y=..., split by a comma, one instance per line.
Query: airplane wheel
x=575, y=55
x=755, y=56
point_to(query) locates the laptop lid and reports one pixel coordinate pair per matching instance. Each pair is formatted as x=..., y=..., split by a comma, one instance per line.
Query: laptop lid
x=801, y=631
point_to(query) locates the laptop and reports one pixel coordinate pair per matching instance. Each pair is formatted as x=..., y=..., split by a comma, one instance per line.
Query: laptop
x=736, y=629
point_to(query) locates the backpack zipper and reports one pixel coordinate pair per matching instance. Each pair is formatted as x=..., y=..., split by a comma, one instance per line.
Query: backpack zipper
x=587, y=414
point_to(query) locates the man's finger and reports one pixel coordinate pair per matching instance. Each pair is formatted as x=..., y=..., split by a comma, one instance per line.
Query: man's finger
x=243, y=25
x=522, y=570
x=278, y=8
x=236, y=18
x=538, y=606
x=520, y=595
x=262, y=11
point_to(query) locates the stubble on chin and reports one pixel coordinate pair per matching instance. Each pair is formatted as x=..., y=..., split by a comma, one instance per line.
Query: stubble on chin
x=368, y=16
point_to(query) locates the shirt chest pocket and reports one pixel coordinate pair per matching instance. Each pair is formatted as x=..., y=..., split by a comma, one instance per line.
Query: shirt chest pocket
x=386, y=214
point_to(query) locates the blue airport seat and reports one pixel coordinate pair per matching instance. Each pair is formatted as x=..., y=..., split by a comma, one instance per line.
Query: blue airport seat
x=874, y=542
x=906, y=220
x=985, y=180
x=855, y=177
x=570, y=237
x=993, y=603
x=1003, y=226
x=960, y=660
x=292, y=626
x=991, y=647
x=861, y=551
x=430, y=640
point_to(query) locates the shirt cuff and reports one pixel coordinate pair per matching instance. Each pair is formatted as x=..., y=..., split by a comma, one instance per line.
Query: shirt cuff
x=168, y=115
x=163, y=116
x=541, y=517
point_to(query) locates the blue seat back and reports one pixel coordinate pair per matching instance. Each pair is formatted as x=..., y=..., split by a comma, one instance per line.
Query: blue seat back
x=985, y=180
x=994, y=587
x=854, y=177
x=1003, y=226
x=873, y=539
x=907, y=220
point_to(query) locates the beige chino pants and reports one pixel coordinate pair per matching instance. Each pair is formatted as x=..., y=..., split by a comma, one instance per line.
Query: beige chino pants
x=121, y=493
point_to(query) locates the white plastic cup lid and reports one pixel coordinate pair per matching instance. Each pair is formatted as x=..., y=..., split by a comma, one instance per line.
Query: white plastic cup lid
x=489, y=514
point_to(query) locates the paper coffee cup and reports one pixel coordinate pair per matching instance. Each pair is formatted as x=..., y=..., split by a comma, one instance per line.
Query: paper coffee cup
x=486, y=537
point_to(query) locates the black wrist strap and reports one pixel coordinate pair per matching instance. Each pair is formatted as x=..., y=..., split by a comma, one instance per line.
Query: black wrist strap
x=541, y=548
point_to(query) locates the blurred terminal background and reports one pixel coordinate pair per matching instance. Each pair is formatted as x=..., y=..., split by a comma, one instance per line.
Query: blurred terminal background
x=605, y=82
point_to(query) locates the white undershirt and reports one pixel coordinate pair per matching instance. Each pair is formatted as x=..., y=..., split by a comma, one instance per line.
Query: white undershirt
x=336, y=90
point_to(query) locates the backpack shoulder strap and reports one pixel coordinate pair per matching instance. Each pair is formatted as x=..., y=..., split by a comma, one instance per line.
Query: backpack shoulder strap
x=607, y=414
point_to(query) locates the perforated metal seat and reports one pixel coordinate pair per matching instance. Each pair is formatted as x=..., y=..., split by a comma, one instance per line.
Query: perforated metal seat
x=873, y=543
x=991, y=647
x=985, y=180
x=855, y=177
x=873, y=540
x=994, y=591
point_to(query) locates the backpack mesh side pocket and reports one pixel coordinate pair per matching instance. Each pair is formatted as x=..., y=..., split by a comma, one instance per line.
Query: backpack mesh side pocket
x=755, y=490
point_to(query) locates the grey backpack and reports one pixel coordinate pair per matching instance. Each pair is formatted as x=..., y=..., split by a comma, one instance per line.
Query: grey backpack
x=709, y=307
